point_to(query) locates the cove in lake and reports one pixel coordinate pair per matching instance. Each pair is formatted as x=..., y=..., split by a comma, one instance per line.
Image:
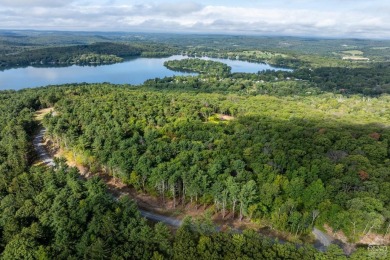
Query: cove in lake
x=133, y=72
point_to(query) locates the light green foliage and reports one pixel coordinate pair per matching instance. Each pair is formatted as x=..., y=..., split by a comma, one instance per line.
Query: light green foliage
x=97, y=59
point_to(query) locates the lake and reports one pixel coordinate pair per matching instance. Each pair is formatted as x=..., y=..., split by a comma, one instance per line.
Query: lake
x=133, y=72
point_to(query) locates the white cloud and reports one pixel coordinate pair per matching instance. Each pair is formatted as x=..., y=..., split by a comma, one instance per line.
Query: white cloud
x=297, y=17
x=29, y=3
x=176, y=9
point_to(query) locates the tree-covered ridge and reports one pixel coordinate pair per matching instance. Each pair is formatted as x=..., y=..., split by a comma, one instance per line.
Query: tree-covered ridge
x=290, y=163
x=371, y=80
x=17, y=46
x=207, y=67
x=200, y=43
x=96, y=52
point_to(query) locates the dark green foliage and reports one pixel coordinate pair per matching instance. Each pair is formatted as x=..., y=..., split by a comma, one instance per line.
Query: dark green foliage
x=189, y=244
x=59, y=214
x=96, y=53
x=73, y=54
x=46, y=213
x=372, y=80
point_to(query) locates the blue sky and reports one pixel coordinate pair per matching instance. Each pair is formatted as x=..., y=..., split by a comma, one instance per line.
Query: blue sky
x=324, y=18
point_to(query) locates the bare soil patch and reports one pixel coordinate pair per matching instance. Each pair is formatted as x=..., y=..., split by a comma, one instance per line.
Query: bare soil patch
x=41, y=113
x=369, y=239
x=225, y=117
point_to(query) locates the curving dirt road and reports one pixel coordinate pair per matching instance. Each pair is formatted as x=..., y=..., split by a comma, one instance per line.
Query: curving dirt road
x=160, y=218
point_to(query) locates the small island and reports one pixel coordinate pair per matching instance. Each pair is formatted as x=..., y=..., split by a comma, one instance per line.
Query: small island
x=207, y=67
x=93, y=58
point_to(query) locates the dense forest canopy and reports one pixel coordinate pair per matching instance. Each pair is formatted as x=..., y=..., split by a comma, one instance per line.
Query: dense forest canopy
x=289, y=151
x=50, y=213
x=288, y=158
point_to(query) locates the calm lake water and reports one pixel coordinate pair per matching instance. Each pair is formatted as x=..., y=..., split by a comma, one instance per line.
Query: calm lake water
x=133, y=72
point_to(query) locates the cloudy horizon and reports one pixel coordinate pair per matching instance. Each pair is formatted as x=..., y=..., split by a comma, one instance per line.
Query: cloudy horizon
x=331, y=18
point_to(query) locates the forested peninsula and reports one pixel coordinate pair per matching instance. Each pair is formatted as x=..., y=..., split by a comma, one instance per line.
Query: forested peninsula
x=87, y=54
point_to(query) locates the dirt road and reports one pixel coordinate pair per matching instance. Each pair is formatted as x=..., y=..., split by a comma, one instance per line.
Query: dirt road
x=40, y=148
x=323, y=240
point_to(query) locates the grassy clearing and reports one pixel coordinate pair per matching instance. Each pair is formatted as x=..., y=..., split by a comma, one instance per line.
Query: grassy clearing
x=354, y=52
x=380, y=48
x=263, y=54
x=40, y=114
